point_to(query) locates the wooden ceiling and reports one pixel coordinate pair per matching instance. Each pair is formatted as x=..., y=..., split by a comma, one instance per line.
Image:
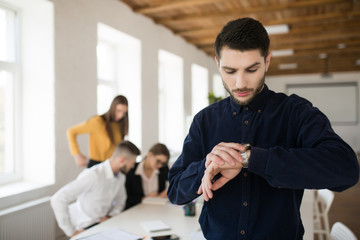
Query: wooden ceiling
x=330, y=27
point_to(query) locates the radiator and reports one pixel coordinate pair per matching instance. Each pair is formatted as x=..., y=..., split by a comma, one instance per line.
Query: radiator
x=29, y=221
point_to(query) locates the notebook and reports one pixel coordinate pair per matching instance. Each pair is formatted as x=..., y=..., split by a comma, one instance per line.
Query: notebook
x=154, y=226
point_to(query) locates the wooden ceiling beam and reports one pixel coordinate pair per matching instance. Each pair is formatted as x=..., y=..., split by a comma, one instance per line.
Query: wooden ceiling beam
x=301, y=33
x=310, y=71
x=212, y=32
x=302, y=46
x=286, y=20
x=324, y=36
x=354, y=54
x=282, y=39
x=252, y=10
x=171, y=5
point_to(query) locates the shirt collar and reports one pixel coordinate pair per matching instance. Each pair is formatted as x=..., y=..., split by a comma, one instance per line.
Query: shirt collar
x=140, y=170
x=257, y=104
x=108, y=170
x=260, y=99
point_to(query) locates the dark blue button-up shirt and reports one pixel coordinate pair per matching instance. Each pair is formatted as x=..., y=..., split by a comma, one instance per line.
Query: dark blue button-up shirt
x=293, y=148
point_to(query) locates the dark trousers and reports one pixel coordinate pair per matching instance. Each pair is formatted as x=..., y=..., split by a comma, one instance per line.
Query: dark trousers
x=92, y=163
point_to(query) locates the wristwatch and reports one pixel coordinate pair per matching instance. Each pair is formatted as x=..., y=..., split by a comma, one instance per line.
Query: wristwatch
x=245, y=155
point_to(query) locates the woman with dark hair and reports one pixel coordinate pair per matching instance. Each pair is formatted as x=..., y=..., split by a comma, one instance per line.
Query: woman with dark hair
x=105, y=132
x=148, y=178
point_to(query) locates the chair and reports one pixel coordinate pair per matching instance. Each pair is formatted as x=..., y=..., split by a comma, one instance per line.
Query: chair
x=341, y=232
x=322, y=206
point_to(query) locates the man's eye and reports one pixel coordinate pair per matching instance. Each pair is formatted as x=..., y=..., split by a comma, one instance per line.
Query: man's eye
x=252, y=70
x=230, y=72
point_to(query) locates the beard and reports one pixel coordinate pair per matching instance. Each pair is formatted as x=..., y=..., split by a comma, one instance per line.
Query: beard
x=124, y=169
x=253, y=92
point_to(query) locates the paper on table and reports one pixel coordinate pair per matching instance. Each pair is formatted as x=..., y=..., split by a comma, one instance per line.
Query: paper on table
x=113, y=234
x=155, y=200
x=197, y=235
x=154, y=226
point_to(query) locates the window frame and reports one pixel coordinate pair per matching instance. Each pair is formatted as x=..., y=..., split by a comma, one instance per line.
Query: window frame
x=13, y=67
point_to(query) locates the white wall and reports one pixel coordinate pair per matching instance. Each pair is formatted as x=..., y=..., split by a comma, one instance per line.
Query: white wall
x=350, y=133
x=76, y=38
x=76, y=77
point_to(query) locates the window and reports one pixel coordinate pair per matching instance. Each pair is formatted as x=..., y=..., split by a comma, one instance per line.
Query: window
x=26, y=95
x=199, y=88
x=106, y=71
x=119, y=72
x=171, y=101
x=9, y=67
x=218, y=87
x=7, y=165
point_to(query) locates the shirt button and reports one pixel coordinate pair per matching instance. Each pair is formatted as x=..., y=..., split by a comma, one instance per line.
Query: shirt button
x=259, y=111
x=234, y=113
x=242, y=232
x=246, y=108
x=245, y=204
x=246, y=122
x=245, y=174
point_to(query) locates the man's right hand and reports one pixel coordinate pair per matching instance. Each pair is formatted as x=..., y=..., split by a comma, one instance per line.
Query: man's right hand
x=81, y=160
x=77, y=232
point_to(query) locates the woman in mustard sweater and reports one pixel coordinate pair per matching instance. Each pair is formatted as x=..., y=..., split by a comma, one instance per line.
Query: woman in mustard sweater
x=105, y=132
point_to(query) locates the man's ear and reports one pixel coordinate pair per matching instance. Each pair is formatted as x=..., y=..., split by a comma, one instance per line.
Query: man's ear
x=217, y=62
x=122, y=159
x=267, y=61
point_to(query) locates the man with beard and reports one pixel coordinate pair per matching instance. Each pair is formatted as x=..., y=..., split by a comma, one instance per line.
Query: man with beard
x=252, y=154
x=97, y=193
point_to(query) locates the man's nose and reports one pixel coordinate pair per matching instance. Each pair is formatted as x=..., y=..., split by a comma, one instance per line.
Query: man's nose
x=240, y=80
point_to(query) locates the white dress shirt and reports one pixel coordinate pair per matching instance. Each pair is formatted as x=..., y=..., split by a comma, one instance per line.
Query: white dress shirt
x=149, y=184
x=94, y=194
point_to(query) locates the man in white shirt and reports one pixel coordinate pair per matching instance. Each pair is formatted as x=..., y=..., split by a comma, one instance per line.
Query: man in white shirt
x=96, y=194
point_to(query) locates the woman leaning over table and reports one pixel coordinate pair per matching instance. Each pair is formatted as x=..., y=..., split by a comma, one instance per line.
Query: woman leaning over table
x=148, y=178
x=105, y=132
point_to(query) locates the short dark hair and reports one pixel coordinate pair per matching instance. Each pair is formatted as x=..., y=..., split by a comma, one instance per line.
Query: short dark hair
x=160, y=149
x=243, y=34
x=126, y=147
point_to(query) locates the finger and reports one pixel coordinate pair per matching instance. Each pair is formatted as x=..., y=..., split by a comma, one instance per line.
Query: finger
x=212, y=157
x=199, y=191
x=227, y=156
x=236, y=146
x=225, y=152
x=207, y=194
x=208, y=160
x=207, y=181
x=204, y=194
x=228, y=152
x=220, y=183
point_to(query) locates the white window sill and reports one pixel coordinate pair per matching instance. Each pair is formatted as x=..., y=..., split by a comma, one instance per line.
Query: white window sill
x=19, y=187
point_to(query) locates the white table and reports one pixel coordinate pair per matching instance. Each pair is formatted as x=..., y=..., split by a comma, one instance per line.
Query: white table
x=130, y=219
x=180, y=224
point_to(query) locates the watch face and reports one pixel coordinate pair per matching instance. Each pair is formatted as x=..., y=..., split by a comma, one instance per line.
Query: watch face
x=245, y=164
x=244, y=154
x=245, y=158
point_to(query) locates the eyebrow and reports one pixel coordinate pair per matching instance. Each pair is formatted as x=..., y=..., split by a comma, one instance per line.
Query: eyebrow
x=255, y=64
x=234, y=69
